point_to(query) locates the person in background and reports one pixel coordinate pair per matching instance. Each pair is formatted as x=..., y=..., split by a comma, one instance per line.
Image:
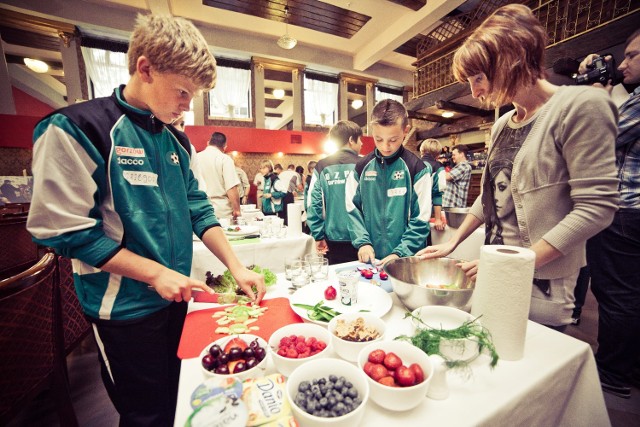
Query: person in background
x=289, y=181
x=429, y=149
x=272, y=190
x=311, y=166
x=326, y=214
x=258, y=181
x=219, y=177
x=388, y=197
x=243, y=188
x=300, y=186
x=458, y=179
x=614, y=254
x=552, y=158
x=114, y=191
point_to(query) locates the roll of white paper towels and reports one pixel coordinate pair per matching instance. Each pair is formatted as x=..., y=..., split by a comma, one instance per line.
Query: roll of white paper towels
x=294, y=220
x=503, y=296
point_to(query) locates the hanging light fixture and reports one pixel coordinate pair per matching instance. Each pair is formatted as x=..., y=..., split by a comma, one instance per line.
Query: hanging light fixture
x=286, y=41
x=36, y=65
x=278, y=93
x=357, y=103
x=447, y=114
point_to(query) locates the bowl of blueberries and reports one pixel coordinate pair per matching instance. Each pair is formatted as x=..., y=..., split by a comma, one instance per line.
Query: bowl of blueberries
x=328, y=392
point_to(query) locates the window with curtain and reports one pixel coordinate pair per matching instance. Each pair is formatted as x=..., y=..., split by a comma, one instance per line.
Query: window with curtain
x=231, y=98
x=106, y=69
x=383, y=92
x=320, y=100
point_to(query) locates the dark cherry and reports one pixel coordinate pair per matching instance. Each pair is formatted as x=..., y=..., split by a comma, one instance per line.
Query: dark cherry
x=223, y=359
x=215, y=350
x=235, y=353
x=222, y=370
x=240, y=367
x=208, y=362
x=260, y=353
x=251, y=362
x=254, y=344
x=248, y=353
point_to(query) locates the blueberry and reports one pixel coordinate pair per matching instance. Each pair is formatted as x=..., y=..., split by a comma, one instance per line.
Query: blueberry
x=352, y=393
x=315, y=388
x=356, y=402
x=333, y=378
x=301, y=402
x=332, y=401
x=304, y=386
x=312, y=405
x=348, y=401
x=348, y=384
x=323, y=389
x=317, y=413
x=322, y=380
x=339, y=385
x=315, y=381
x=300, y=396
x=338, y=397
x=308, y=393
x=323, y=402
x=340, y=407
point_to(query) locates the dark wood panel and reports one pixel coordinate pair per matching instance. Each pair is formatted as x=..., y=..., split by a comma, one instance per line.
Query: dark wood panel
x=410, y=47
x=272, y=103
x=277, y=75
x=29, y=39
x=411, y=4
x=314, y=15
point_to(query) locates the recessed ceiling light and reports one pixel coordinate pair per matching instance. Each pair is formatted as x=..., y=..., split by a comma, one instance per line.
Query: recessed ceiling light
x=357, y=103
x=36, y=65
x=278, y=93
x=447, y=114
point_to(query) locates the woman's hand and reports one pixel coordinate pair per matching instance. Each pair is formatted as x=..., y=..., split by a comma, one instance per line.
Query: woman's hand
x=470, y=268
x=386, y=259
x=436, y=251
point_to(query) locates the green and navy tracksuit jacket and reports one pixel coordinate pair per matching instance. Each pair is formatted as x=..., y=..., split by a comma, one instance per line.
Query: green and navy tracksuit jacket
x=109, y=176
x=388, y=200
x=274, y=186
x=327, y=216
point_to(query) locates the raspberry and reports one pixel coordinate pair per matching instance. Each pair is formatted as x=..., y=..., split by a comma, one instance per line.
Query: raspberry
x=292, y=353
x=285, y=342
x=309, y=341
x=304, y=354
x=282, y=351
x=301, y=347
x=293, y=338
x=319, y=345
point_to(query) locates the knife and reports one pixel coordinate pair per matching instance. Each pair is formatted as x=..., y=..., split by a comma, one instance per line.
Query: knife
x=249, y=236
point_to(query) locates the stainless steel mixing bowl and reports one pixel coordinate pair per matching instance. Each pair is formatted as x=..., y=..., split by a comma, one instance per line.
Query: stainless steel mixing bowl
x=410, y=277
x=455, y=216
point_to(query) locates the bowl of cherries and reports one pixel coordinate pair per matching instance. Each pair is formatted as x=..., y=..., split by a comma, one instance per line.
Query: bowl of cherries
x=243, y=356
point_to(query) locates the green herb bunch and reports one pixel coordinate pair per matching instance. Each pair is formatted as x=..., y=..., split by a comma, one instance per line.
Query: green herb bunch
x=428, y=340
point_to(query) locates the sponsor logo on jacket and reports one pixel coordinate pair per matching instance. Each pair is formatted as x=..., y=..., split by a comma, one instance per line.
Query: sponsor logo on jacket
x=130, y=152
x=370, y=175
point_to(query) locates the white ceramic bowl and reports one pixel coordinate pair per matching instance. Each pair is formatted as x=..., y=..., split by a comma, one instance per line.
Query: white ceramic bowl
x=286, y=365
x=399, y=398
x=322, y=368
x=441, y=317
x=255, y=372
x=349, y=350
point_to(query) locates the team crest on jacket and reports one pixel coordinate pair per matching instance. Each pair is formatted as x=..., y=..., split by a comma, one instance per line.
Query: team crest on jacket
x=173, y=158
x=397, y=175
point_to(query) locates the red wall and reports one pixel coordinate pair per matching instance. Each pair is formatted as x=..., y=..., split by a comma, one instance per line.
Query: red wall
x=27, y=105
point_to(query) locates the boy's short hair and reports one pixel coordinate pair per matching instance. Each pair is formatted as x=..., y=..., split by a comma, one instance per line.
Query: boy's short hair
x=508, y=47
x=278, y=166
x=172, y=45
x=463, y=149
x=311, y=165
x=267, y=163
x=218, y=139
x=387, y=112
x=344, y=130
x=431, y=146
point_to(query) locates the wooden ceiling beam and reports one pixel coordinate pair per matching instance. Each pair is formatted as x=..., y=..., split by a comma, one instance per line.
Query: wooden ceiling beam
x=464, y=109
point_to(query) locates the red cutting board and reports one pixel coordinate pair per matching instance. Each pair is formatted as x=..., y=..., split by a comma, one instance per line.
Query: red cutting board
x=199, y=326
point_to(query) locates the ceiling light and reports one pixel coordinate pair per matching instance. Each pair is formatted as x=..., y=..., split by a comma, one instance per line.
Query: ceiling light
x=278, y=93
x=330, y=146
x=447, y=114
x=36, y=65
x=286, y=41
x=357, y=103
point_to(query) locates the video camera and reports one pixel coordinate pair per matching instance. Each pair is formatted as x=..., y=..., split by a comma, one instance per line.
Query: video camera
x=600, y=71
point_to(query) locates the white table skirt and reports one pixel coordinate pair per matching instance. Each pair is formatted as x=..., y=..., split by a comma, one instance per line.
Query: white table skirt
x=269, y=253
x=555, y=384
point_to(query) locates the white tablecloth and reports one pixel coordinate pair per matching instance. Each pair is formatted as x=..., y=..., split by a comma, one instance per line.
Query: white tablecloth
x=468, y=250
x=269, y=253
x=555, y=384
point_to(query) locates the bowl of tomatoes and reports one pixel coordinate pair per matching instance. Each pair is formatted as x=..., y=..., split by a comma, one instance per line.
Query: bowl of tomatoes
x=398, y=373
x=242, y=356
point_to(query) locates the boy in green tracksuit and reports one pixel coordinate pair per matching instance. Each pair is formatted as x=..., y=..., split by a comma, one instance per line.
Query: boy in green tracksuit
x=114, y=189
x=326, y=214
x=388, y=197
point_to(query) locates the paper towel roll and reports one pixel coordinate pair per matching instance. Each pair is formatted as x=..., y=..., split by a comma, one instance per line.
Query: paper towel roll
x=503, y=296
x=294, y=220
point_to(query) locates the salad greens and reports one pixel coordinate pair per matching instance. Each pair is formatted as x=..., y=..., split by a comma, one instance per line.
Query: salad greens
x=225, y=283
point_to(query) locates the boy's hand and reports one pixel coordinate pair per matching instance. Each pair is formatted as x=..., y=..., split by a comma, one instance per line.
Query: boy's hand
x=366, y=254
x=386, y=259
x=246, y=280
x=470, y=268
x=174, y=286
x=321, y=246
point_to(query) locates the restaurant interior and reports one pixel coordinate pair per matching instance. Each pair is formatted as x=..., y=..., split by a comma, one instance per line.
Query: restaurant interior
x=287, y=71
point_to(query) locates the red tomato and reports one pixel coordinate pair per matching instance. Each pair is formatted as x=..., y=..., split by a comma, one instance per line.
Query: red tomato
x=388, y=381
x=330, y=293
x=377, y=356
x=392, y=361
x=368, y=275
x=379, y=371
x=418, y=372
x=368, y=367
x=405, y=377
x=383, y=275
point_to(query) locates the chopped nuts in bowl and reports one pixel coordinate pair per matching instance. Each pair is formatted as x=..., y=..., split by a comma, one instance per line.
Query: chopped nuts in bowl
x=350, y=332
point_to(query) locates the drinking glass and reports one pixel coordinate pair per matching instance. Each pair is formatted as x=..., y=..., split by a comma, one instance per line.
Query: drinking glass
x=289, y=264
x=300, y=274
x=319, y=269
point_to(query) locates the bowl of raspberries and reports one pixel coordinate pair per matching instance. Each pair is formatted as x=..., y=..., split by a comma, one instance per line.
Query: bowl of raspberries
x=292, y=345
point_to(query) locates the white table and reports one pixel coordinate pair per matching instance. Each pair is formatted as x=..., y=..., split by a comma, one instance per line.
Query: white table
x=555, y=384
x=468, y=250
x=269, y=253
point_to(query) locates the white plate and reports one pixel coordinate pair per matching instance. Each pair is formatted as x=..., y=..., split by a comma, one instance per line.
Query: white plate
x=372, y=298
x=244, y=230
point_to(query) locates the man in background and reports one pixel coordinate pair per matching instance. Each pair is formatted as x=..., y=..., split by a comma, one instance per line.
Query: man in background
x=288, y=178
x=458, y=179
x=327, y=216
x=220, y=178
x=243, y=188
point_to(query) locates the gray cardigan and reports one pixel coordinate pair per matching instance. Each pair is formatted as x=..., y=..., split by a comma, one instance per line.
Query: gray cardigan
x=564, y=182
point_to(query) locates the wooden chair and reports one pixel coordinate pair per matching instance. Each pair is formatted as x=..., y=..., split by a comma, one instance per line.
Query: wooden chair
x=31, y=341
x=17, y=250
x=74, y=323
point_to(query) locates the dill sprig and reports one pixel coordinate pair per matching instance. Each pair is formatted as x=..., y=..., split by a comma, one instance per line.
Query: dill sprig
x=428, y=340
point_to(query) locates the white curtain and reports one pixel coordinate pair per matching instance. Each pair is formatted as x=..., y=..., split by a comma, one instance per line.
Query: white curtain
x=384, y=95
x=231, y=92
x=320, y=102
x=106, y=69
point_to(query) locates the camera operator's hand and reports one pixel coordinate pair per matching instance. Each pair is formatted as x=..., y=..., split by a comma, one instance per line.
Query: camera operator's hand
x=585, y=66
